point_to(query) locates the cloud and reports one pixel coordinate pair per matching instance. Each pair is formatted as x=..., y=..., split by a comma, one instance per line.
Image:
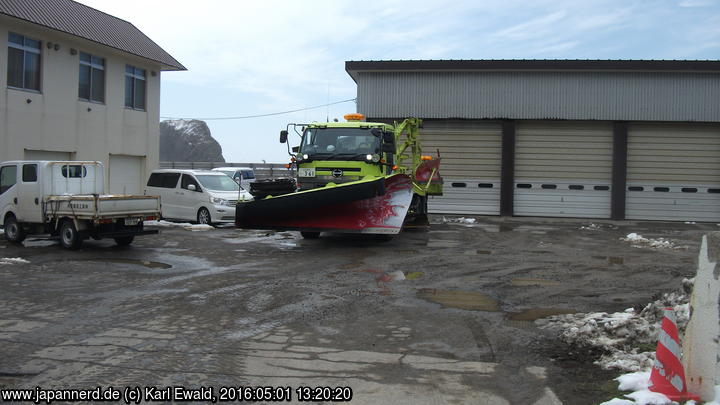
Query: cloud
x=698, y=3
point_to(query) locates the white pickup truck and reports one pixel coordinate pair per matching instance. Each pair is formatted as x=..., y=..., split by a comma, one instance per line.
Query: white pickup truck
x=65, y=199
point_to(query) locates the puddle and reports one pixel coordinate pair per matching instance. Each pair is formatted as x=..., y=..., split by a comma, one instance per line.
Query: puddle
x=528, y=282
x=534, y=314
x=615, y=260
x=611, y=259
x=468, y=300
x=148, y=264
x=413, y=275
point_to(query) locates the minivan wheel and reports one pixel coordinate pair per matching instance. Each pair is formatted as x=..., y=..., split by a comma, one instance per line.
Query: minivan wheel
x=124, y=240
x=69, y=237
x=14, y=232
x=203, y=216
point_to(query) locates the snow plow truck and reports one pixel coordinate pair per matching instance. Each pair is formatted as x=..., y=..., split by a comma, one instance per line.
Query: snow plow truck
x=349, y=177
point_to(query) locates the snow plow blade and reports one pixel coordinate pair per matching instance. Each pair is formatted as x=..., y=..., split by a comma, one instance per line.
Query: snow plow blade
x=371, y=206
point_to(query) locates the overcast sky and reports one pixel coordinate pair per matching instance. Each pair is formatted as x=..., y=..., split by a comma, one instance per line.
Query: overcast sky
x=263, y=56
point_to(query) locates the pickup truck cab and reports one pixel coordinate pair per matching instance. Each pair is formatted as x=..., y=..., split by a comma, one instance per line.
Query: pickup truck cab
x=65, y=199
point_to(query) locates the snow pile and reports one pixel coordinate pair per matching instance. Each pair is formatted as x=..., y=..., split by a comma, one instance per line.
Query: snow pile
x=2, y=231
x=186, y=225
x=12, y=260
x=626, y=340
x=591, y=227
x=638, y=241
x=461, y=220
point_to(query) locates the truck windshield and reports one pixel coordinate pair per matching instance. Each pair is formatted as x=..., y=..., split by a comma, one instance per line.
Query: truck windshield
x=345, y=143
x=218, y=183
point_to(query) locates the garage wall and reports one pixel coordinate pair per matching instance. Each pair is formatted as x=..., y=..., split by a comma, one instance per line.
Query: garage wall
x=563, y=169
x=47, y=155
x=673, y=172
x=470, y=152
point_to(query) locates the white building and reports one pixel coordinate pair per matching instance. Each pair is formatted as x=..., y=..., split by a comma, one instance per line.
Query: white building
x=80, y=84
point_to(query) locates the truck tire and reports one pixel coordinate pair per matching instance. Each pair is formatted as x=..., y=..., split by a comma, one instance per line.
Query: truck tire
x=310, y=235
x=69, y=237
x=203, y=216
x=14, y=232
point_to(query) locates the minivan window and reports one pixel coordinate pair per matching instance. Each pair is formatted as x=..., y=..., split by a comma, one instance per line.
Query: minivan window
x=29, y=173
x=218, y=183
x=188, y=180
x=248, y=174
x=165, y=180
x=8, y=177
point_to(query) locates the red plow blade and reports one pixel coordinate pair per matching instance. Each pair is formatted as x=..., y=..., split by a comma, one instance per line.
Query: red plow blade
x=376, y=206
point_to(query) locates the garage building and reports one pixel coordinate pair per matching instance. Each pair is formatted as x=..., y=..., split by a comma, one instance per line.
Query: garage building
x=619, y=139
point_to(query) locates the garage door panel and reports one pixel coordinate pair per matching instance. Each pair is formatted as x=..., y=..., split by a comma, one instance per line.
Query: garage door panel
x=563, y=169
x=465, y=196
x=470, y=152
x=126, y=174
x=678, y=158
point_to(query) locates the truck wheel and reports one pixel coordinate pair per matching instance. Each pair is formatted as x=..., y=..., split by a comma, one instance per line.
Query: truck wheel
x=310, y=235
x=124, y=241
x=69, y=237
x=203, y=216
x=13, y=231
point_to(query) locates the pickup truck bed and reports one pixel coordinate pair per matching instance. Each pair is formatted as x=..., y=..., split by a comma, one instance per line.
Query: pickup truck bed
x=94, y=207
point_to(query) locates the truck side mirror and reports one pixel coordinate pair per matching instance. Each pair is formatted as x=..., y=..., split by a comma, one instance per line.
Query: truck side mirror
x=283, y=136
x=192, y=187
x=388, y=147
x=388, y=137
x=296, y=149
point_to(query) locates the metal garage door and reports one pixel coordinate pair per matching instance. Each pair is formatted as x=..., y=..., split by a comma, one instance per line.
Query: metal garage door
x=470, y=153
x=126, y=174
x=563, y=169
x=31, y=154
x=673, y=172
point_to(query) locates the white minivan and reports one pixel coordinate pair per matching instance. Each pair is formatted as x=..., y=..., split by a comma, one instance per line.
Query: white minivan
x=204, y=196
x=242, y=175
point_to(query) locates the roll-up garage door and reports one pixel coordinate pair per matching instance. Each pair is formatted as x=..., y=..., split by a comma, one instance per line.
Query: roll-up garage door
x=673, y=172
x=470, y=166
x=125, y=174
x=563, y=169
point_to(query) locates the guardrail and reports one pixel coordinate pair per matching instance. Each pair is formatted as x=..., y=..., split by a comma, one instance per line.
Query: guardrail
x=262, y=170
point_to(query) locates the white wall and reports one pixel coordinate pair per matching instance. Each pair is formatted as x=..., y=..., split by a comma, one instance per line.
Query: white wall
x=57, y=120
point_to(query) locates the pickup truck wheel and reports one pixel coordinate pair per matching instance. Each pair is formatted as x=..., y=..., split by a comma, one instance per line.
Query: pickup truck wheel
x=69, y=237
x=310, y=235
x=124, y=241
x=14, y=232
x=203, y=216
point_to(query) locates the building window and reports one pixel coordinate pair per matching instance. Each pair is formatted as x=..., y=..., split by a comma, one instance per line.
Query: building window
x=134, y=87
x=23, y=62
x=92, y=78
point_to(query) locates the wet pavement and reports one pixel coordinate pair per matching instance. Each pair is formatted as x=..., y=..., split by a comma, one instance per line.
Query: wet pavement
x=438, y=316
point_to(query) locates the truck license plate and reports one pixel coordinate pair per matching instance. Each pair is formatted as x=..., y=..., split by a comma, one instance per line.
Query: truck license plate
x=131, y=221
x=306, y=172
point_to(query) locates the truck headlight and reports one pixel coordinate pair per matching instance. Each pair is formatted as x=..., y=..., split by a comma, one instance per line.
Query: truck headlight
x=368, y=157
x=305, y=156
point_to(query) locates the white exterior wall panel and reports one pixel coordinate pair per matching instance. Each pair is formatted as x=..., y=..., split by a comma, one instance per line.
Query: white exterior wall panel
x=626, y=96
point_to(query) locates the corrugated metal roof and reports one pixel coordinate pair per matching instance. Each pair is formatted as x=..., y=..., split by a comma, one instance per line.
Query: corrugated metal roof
x=91, y=24
x=619, y=65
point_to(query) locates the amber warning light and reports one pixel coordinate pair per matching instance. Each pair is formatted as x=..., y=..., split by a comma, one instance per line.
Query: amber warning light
x=354, y=117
